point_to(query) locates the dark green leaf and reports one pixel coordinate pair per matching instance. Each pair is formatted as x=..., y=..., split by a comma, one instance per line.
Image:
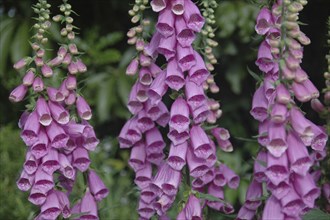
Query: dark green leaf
x=316, y=214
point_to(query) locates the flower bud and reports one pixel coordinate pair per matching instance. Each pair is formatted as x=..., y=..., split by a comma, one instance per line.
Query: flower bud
x=18, y=93
x=38, y=85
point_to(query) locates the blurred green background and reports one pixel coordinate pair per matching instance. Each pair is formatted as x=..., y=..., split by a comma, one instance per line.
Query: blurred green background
x=103, y=25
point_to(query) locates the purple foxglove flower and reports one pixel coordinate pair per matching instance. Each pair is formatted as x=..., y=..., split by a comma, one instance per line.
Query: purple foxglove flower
x=21, y=63
x=163, y=204
x=145, y=76
x=282, y=94
x=67, y=59
x=71, y=82
x=146, y=211
x=134, y=105
x=38, y=84
x=81, y=66
x=231, y=177
x=278, y=113
x=18, y=94
x=166, y=47
x=38, y=61
x=43, y=181
x=76, y=208
x=273, y=34
x=301, y=92
x=186, y=57
x=288, y=73
x=63, y=89
x=144, y=122
x=57, y=135
x=164, y=117
x=245, y=214
x=51, y=209
x=71, y=98
x=73, y=68
x=297, y=54
x=129, y=134
x=277, y=144
x=201, y=113
x=133, y=67
x=46, y=71
x=31, y=163
x=317, y=106
x=306, y=188
x=311, y=88
x=158, y=88
x=37, y=196
x=263, y=133
x=200, y=142
x=62, y=51
x=153, y=111
x=165, y=24
x=97, y=187
x=280, y=190
x=143, y=176
x=90, y=139
x=174, y=76
x=193, y=209
x=43, y=111
x=179, y=115
x=55, y=95
x=172, y=182
x=277, y=168
x=151, y=48
x=59, y=113
x=264, y=21
x=197, y=166
x=177, y=7
x=31, y=129
x=316, y=175
x=55, y=61
x=40, y=148
x=194, y=94
x=185, y=36
x=50, y=161
x=292, y=204
x=22, y=120
x=154, y=69
x=300, y=75
x=83, y=109
x=177, y=156
x=265, y=58
x=273, y=209
x=198, y=73
x=88, y=207
x=148, y=195
x=259, y=105
x=81, y=159
x=28, y=78
x=138, y=156
x=181, y=215
x=158, y=5
x=75, y=130
x=25, y=181
x=192, y=16
x=302, y=126
x=253, y=195
x=220, y=133
x=178, y=137
x=259, y=167
x=65, y=166
x=219, y=178
x=298, y=155
x=217, y=192
x=73, y=49
x=64, y=203
x=154, y=141
x=141, y=92
x=320, y=138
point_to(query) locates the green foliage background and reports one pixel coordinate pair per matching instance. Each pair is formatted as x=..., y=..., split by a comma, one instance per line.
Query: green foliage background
x=103, y=26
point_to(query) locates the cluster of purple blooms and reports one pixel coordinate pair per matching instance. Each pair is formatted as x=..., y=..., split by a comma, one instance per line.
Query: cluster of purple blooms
x=292, y=144
x=185, y=72
x=58, y=143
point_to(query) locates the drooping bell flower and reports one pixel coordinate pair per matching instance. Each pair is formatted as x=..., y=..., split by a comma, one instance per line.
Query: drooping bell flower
x=43, y=111
x=264, y=21
x=88, y=207
x=31, y=129
x=192, y=16
x=18, y=94
x=51, y=209
x=83, y=109
x=97, y=187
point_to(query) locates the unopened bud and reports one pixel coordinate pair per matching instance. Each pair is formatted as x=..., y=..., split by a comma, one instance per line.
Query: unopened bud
x=71, y=35
x=138, y=29
x=139, y=45
x=69, y=27
x=131, y=33
x=73, y=49
x=69, y=20
x=64, y=32
x=135, y=19
x=131, y=12
x=44, y=40
x=132, y=41
x=303, y=39
x=317, y=105
x=209, y=67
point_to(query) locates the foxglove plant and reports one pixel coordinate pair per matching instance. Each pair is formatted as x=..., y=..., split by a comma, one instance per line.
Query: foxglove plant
x=192, y=149
x=291, y=144
x=58, y=142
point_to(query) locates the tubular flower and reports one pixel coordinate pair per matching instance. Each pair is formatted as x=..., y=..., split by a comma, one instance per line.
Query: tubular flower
x=190, y=145
x=58, y=142
x=285, y=163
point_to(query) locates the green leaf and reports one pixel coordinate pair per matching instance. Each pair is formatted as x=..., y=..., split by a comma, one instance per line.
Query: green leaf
x=316, y=214
x=208, y=197
x=20, y=46
x=254, y=75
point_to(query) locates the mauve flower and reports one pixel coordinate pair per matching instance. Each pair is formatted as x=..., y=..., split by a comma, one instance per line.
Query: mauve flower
x=46, y=71
x=179, y=119
x=231, y=177
x=166, y=47
x=177, y=156
x=84, y=111
x=277, y=144
x=186, y=58
x=174, y=76
x=49, y=162
x=18, y=94
x=194, y=94
x=28, y=78
x=133, y=67
x=31, y=129
x=158, y=5
x=277, y=168
x=198, y=73
x=158, y=88
x=43, y=111
x=292, y=204
x=280, y=190
x=154, y=141
x=197, y=166
x=245, y=214
x=307, y=189
x=51, y=209
x=143, y=176
x=55, y=95
x=302, y=126
x=138, y=156
x=43, y=181
x=25, y=181
x=81, y=159
x=88, y=206
x=273, y=209
x=31, y=163
x=185, y=36
x=59, y=113
x=38, y=84
x=264, y=61
x=259, y=105
x=65, y=166
x=57, y=135
x=192, y=16
x=193, y=209
x=145, y=76
x=264, y=21
x=64, y=203
x=253, y=195
x=165, y=24
x=97, y=187
x=145, y=210
x=37, y=196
